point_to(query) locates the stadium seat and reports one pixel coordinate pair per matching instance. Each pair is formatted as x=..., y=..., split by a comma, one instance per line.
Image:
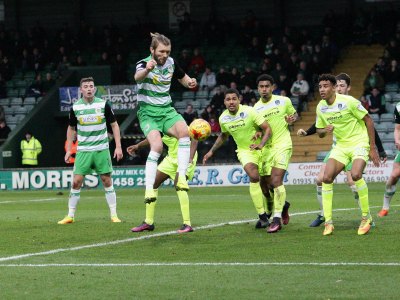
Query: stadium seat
x=386, y=117
x=202, y=95
x=16, y=101
x=188, y=95
x=4, y=101
x=196, y=104
x=390, y=153
x=393, y=87
x=375, y=118
x=390, y=127
x=9, y=110
x=381, y=128
x=388, y=97
x=390, y=107
x=180, y=105
x=20, y=110
x=12, y=92
x=389, y=146
x=321, y=155
x=387, y=137
x=29, y=101
x=295, y=101
x=29, y=107
x=204, y=103
x=20, y=83
x=396, y=98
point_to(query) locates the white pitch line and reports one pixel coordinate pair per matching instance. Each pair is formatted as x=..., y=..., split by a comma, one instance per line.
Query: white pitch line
x=213, y=264
x=149, y=236
x=92, y=197
x=34, y=200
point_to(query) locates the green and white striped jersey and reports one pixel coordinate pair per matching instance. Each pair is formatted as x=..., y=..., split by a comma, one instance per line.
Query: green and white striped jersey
x=154, y=88
x=91, y=121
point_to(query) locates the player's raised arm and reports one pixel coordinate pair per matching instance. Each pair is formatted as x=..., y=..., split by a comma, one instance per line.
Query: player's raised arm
x=133, y=148
x=267, y=134
x=188, y=82
x=223, y=136
x=144, y=69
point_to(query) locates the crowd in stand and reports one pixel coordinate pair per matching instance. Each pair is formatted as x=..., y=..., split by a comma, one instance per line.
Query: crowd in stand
x=294, y=57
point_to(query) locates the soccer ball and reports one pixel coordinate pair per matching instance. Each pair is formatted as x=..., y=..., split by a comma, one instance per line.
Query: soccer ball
x=199, y=129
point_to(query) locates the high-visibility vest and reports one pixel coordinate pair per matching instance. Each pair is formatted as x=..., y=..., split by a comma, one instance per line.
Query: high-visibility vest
x=74, y=148
x=30, y=151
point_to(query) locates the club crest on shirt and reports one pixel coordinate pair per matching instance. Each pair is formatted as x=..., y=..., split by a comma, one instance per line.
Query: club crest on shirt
x=277, y=102
x=360, y=107
x=241, y=115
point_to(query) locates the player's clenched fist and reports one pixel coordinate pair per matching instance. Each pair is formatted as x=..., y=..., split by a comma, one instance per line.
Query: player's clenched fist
x=192, y=83
x=150, y=64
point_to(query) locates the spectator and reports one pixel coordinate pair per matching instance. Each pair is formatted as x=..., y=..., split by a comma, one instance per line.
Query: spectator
x=208, y=113
x=222, y=77
x=217, y=101
x=393, y=49
x=4, y=130
x=63, y=66
x=376, y=102
x=184, y=60
x=6, y=69
x=364, y=102
x=189, y=114
x=392, y=74
x=48, y=83
x=119, y=70
x=373, y=80
x=36, y=87
x=30, y=148
x=275, y=73
x=235, y=76
x=197, y=63
x=208, y=80
x=254, y=51
x=3, y=90
x=2, y=114
x=269, y=47
x=380, y=66
x=104, y=59
x=214, y=125
x=283, y=84
x=25, y=61
x=136, y=128
x=300, y=89
x=37, y=60
x=248, y=94
x=248, y=78
x=79, y=62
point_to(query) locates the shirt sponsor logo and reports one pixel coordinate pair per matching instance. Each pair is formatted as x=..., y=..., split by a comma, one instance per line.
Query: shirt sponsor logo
x=84, y=120
x=272, y=112
x=239, y=124
x=335, y=117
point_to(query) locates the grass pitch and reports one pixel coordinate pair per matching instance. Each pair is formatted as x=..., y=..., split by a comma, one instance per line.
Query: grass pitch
x=224, y=258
